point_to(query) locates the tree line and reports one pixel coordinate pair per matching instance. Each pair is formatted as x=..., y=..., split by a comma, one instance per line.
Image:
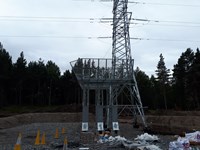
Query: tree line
x=39, y=83
x=179, y=90
x=35, y=83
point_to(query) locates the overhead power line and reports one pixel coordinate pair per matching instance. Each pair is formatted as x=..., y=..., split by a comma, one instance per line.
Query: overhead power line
x=94, y=37
x=167, y=25
x=166, y=21
x=146, y=3
x=48, y=19
x=53, y=36
x=165, y=4
x=41, y=17
x=67, y=21
x=91, y=20
x=165, y=40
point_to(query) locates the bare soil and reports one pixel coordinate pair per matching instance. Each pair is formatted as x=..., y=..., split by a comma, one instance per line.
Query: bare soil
x=164, y=126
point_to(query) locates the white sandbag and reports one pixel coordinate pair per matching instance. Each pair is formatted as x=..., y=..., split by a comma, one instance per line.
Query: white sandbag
x=147, y=137
x=193, y=137
x=180, y=144
x=150, y=147
x=134, y=144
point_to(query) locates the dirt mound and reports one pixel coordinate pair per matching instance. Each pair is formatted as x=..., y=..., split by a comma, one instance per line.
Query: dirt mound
x=17, y=120
x=173, y=124
x=158, y=124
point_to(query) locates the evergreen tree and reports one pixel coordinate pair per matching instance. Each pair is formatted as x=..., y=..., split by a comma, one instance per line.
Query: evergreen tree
x=144, y=85
x=53, y=75
x=193, y=77
x=19, y=76
x=68, y=85
x=155, y=94
x=180, y=78
x=5, y=75
x=163, y=77
x=37, y=76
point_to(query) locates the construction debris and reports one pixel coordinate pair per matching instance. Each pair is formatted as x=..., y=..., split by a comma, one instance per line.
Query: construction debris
x=194, y=138
x=185, y=143
x=147, y=137
x=181, y=144
x=142, y=142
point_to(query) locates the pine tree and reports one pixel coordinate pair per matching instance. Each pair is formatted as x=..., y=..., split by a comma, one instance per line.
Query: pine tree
x=163, y=77
x=180, y=77
x=145, y=88
x=19, y=75
x=5, y=75
x=53, y=74
x=193, y=80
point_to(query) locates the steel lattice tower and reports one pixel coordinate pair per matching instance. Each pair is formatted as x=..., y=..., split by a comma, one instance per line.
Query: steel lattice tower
x=122, y=62
x=111, y=79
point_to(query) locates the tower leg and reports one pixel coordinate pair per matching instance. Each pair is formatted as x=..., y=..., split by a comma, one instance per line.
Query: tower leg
x=115, y=124
x=113, y=109
x=99, y=109
x=85, y=112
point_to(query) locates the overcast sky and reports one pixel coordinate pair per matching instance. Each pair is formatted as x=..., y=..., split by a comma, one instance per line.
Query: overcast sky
x=64, y=30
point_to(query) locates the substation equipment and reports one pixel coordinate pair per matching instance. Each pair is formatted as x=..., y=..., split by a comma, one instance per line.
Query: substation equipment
x=113, y=80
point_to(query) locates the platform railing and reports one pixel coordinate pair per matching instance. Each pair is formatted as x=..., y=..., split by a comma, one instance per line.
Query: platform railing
x=101, y=69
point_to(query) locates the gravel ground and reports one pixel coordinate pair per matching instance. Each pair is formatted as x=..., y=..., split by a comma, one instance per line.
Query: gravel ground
x=8, y=137
x=10, y=127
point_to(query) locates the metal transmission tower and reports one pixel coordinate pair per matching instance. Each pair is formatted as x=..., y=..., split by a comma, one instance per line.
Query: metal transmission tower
x=122, y=62
x=111, y=79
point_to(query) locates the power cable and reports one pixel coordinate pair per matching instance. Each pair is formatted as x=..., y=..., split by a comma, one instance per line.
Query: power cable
x=63, y=21
x=166, y=21
x=48, y=19
x=146, y=3
x=87, y=19
x=167, y=25
x=91, y=20
x=165, y=4
x=54, y=18
x=93, y=37
x=165, y=40
x=43, y=17
x=48, y=36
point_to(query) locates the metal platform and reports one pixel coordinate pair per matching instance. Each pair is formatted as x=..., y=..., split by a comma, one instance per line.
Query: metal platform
x=97, y=74
x=112, y=79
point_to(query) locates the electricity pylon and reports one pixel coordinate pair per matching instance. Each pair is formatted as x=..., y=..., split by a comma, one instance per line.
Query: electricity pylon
x=111, y=79
x=122, y=62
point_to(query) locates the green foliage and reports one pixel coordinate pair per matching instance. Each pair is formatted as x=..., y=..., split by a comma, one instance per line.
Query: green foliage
x=193, y=89
x=162, y=72
x=181, y=75
x=145, y=87
x=5, y=63
x=19, y=78
x=35, y=83
x=53, y=74
x=163, y=78
x=39, y=84
x=53, y=70
x=5, y=75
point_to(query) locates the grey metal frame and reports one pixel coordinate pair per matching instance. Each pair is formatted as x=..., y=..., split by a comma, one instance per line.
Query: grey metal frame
x=115, y=76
